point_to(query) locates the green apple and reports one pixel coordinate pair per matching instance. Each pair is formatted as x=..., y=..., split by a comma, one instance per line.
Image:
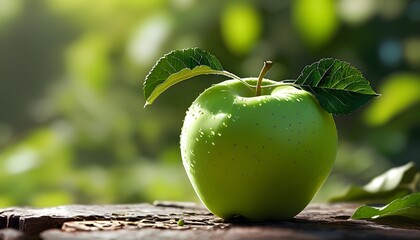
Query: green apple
x=255, y=147
x=261, y=156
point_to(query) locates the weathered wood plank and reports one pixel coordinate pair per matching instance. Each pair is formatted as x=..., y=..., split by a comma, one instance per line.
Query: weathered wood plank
x=34, y=221
x=160, y=221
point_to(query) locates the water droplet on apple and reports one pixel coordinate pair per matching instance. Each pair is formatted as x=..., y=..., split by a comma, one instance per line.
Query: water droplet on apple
x=212, y=143
x=219, y=134
x=213, y=133
x=229, y=115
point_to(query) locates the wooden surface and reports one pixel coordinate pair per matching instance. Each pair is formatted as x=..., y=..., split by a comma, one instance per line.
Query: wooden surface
x=161, y=220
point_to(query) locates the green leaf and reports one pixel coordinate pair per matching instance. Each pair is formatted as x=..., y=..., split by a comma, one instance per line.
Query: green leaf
x=394, y=183
x=338, y=87
x=407, y=207
x=178, y=66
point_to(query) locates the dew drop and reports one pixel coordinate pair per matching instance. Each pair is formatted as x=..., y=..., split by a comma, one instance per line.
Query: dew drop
x=213, y=133
x=219, y=134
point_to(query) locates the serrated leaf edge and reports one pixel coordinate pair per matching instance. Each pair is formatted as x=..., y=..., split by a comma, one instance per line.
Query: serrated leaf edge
x=215, y=68
x=310, y=87
x=171, y=80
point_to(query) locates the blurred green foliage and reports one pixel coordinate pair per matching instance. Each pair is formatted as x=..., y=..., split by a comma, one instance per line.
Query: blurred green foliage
x=72, y=124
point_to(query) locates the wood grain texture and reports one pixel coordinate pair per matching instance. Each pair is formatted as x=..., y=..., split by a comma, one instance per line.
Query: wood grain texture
x=161, y=221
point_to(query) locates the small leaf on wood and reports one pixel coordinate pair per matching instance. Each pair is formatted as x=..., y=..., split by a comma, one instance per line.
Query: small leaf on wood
x=338, y=87
x=177, y=66
x=406, y=207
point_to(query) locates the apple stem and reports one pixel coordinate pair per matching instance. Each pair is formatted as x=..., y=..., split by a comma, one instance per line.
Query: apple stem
x=264, y=70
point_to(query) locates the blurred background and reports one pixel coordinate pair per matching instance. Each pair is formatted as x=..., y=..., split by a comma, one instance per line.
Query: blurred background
x=72, y=124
